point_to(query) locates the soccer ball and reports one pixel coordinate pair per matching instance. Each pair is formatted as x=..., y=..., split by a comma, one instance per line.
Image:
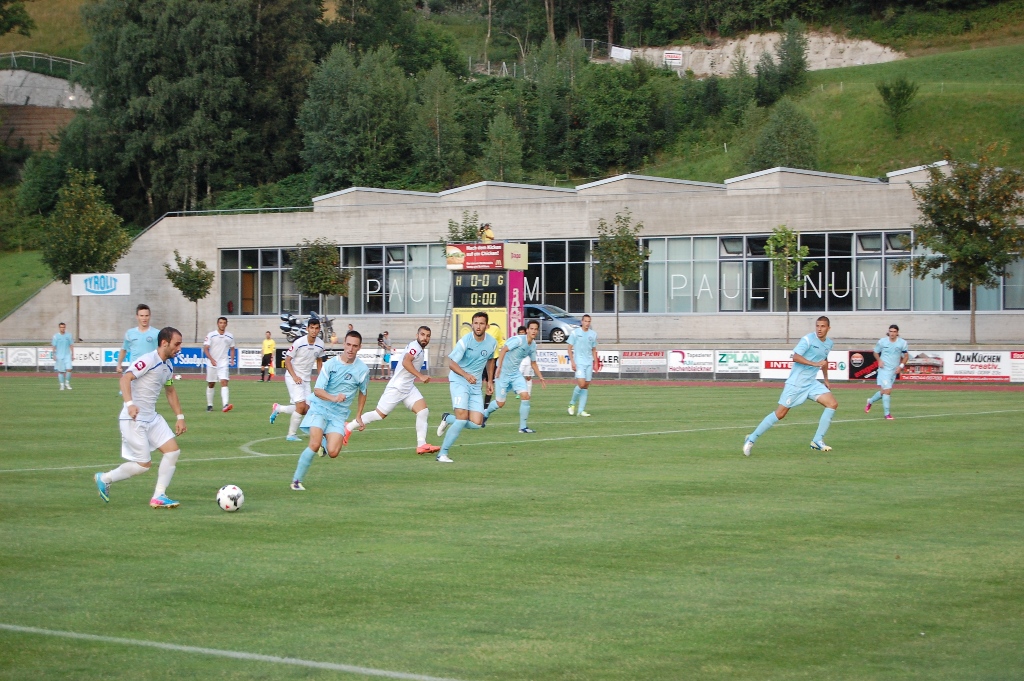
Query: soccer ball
x=230, y=498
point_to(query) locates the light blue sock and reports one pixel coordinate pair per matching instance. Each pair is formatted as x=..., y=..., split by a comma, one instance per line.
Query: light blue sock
x=452, y=435
x=575, y=395
x=766, y=423
x=67, y=378
x=305, y=459
x=491, y=408
x=450, y=419
x=524, y=412
x=472, y=426
x=583, y=399
x=60, y=377
x=886, y=401
x=877, y=396
x=824, y=423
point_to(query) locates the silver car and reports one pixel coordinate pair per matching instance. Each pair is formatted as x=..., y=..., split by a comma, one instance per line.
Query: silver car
x=555, y=323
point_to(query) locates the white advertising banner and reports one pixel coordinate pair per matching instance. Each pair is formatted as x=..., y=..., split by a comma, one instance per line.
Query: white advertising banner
x=21, y=357
x=620, y=54
x=3, y=357
x=691, y=361
x=44, y=356
x=87, y=357
x=1017, y=367
x=642, y=362
x=609, y=361
x=963, y=366
x=110, y=356
x=778, y=363
x=673, y=58
x=738, y=362
x=553, y=360
x=101, y=284
x=250, y=358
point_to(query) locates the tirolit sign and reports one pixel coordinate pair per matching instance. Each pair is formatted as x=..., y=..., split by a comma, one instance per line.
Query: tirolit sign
x=101, y=284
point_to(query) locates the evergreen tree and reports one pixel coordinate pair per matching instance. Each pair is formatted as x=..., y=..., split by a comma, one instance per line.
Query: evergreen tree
x=768, y=80
x=788, y=139
x=436, y=134
x=897, y=98
x=792, y=54
x=502, y=158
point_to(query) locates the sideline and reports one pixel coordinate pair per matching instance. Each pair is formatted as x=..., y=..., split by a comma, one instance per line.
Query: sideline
x=252, y=454
x=255, y=657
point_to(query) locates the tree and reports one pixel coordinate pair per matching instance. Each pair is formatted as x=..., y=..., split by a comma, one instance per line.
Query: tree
x=502, y=158
x=788, y=139
x=14, y=17
x=792, y=54
x=767, y=80
x=787, y=256
x=467, y=230
x=897, y=98
x=970, y=229
x=436, y=134
x=193, y=279
x=83, y=233
x=618, y=256
x=316, y=270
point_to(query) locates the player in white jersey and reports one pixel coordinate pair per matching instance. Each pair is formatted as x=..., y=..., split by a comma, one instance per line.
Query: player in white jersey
x=217, y=347
x=401, y=389
x=302, y=356
x=142, y=428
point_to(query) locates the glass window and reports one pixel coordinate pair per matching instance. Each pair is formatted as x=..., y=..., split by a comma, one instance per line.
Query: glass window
x=554, y=251
x=394, y=290
x=287, y=254
x=229, y=260
x=869, y=284
x=657, y=249
x=815, y=244
x=731, y=293
x=897, y=285
x=1013, y=286
x=755, y=245
x=440, y=283
x=579, y=251
x=373, y=256
x=289, y=294
x=731, y=246
x=988, y=298
x=897, y=242
x=680, y=292
x=554, y=284
x=269, y=257
x=229, y=293
x=869, y=243
x=655, y=287
x=759, y=283
x=813, y=294
x=840, y=284
x=629, y=298
x=269, y=292
x=437, y=256
x=396, y=255
x=705, y=248
x=927, y=294
x=705, y=276
x=840, y=244
x=373, y=289
x=532, y=282
x=417, y=287
x=603, y=292
x=535, y=252
x=577, y=288
x=250, y=259
x=680, y=249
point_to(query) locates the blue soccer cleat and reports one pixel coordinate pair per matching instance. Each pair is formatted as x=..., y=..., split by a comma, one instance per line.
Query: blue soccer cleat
x=274, y=412
x=292, y=438
x=163, y=502
x=103, y=487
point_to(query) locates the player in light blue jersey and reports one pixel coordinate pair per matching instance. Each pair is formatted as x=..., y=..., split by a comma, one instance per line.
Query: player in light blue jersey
x=511, y=356
x=472, y=354
x=582, y=359
x=138, y=341
x=809, y=355
x=340, y=379
x=63, y=347
x=891, y=353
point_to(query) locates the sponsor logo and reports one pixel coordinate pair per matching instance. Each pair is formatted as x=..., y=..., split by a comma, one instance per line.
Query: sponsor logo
x=856, y=360
x=977, y=358
x=100, y=284
x=1017, y=355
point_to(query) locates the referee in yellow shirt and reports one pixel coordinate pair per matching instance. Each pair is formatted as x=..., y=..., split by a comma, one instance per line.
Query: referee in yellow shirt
x=269, y=348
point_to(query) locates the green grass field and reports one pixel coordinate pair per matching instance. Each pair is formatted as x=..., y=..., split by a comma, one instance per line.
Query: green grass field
x=21, y=275
x=637, y=544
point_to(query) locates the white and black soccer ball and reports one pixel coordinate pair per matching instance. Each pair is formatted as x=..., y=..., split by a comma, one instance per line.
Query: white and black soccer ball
x=230, y=498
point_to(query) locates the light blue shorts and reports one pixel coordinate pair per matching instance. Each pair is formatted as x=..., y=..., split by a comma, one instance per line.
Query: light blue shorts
x=328, y=424
x=794, y=396
x=62, y=365
x=466, y=396
x=585, y=371
x=886, y=379
x=516, y=384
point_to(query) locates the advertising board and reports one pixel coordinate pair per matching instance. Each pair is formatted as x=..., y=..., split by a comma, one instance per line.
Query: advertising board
x=101, y=284
x=494, y=255
x=21, y=357
x=673, y=58
x=776, y=364
x=642, y=362
x=738, y=362
x=863, y=365
x=250, y=358
x=1017, y=367
x=44, y=356
x=959, y=366
x=691, y=361
x=553, y=360
x=3, y=357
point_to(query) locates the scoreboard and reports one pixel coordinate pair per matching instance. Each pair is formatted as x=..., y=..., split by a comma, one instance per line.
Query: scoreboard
x=480, y=290
x=487, y=277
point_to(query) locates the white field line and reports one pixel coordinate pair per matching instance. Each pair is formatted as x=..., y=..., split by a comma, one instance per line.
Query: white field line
x=348, y=668
x=252, y=454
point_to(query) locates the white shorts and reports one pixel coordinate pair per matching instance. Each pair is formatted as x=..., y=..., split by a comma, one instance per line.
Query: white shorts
x=139, y=438
x=217, y=373
x=391, y=398
x=298, y=392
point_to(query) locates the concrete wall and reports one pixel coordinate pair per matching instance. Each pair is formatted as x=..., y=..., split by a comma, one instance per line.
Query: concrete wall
x=813, y=202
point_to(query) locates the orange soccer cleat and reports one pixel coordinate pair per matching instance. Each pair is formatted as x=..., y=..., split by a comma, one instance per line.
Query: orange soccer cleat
x=427, y=449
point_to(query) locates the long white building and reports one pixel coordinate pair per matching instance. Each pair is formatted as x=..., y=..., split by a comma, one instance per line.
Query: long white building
x=707, y=278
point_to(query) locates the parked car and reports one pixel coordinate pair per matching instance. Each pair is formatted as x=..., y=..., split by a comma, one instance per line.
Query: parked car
x=555, y=323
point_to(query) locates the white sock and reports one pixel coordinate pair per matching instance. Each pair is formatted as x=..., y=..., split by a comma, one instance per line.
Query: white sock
x=123, y=472
x=166, y=472
x=209, y=397
x=421, y=427
x=529, y=388
x=224, y=396
x=293, y=423
x=286, y=409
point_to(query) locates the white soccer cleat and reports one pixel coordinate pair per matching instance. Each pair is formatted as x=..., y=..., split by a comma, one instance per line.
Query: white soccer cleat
x=572, y=410
x=61, y=386
x=68, y=387
x=820, y=446
x=443, y=458
x=584, y=413
x=443, y=425
x=748, y=447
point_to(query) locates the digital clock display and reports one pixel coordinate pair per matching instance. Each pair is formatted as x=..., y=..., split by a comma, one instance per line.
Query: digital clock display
x=480, y=290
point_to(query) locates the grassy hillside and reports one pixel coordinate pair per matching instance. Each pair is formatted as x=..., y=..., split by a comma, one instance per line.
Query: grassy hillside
x=21, y=275
x=59, y=29
x=966, y=98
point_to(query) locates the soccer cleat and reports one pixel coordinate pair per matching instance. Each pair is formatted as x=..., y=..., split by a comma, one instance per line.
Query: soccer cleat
x=428, y=449
x=68, y=386
x=584, y=413
x=61, y=386
x=867, y=407
x=163, y=502
x=748, y=446
x=274, y=412
x=527, y=430
x=346, y=436
x=820, y=446
x=297, y=486
x=103, y=487
x=572, y=410
x=888, y=417
x=484, y=423
x=228, y=407
x=209, y=407
x=444, y=424
x=443, y=458
x=292, y=438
